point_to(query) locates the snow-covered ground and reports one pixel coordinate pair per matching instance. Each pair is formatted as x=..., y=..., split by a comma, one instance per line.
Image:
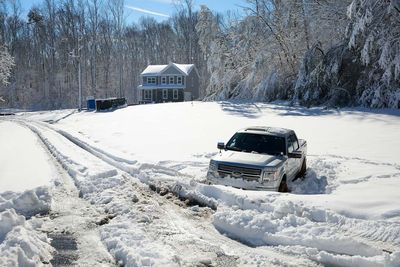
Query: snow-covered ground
x=22, y=159
x=345, y=213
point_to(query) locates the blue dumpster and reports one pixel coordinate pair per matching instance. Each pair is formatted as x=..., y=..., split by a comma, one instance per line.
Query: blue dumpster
x=91, y=103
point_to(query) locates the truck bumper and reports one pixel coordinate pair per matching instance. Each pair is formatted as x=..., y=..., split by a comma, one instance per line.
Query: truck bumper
x=240, y=183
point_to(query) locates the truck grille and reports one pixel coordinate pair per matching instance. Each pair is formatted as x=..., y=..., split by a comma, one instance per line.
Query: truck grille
x=250, y=174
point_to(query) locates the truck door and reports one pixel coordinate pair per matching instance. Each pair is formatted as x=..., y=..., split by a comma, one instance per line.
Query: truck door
x=293, y=164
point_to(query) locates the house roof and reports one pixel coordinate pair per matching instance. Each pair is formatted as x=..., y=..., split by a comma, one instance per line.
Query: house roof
x=159, y=69
x=153, y=69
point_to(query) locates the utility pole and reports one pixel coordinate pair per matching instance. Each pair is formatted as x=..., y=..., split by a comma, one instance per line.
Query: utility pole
x=78, y=57
x=79, y=84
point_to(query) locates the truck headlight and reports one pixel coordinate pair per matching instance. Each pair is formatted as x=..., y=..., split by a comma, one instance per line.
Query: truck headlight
x=213, y=166
x=269, y=175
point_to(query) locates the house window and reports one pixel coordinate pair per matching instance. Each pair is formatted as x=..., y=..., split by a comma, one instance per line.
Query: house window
x=179, y=80
x=151, y=80
x=163, y=80
x=165, y=93
x=175, y=93
x=147, y=94
x=171, y=79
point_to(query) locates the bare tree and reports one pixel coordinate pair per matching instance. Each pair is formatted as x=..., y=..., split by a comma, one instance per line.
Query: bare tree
x=117, y=11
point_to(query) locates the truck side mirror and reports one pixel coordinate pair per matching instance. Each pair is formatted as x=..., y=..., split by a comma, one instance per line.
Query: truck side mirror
x=295, y=155
x=221, y=145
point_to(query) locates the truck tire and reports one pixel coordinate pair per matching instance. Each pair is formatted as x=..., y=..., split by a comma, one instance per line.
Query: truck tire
x=303, y=169
x=283, y=188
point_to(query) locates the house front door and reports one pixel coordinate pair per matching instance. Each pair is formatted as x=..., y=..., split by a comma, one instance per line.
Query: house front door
x=187, y=96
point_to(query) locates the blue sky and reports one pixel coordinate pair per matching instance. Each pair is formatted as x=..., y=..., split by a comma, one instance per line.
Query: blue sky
x=159, y=9
x=165, y=8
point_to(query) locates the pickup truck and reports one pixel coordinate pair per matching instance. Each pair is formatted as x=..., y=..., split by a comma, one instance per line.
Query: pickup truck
x=259, y=158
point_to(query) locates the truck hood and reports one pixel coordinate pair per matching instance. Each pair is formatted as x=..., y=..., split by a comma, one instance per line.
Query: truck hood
x=260, y=160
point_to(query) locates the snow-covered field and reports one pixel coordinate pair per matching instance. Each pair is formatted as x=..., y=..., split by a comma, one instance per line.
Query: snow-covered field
x=22, y=157
x=345, y=213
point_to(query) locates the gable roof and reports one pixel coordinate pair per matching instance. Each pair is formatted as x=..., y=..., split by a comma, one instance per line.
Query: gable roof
x=185, y=69
x=153, y=69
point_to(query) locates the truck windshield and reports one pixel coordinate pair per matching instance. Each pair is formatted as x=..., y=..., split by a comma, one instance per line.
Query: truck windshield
x=257, y=143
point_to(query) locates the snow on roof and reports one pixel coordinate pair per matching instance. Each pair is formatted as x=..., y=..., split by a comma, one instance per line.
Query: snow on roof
x=270, y=130
x=186, y=68
x=153, y=69
x=158, y=69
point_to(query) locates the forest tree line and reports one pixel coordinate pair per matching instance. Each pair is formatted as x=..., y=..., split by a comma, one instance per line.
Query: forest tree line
x=309, y=52
x=54, y=37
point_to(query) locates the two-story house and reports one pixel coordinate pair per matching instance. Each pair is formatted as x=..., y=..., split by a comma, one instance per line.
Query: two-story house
x=169, y=83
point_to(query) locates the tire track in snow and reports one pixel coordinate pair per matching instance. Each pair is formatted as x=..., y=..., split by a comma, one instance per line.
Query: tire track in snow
x=71, y=223
x=367, y=161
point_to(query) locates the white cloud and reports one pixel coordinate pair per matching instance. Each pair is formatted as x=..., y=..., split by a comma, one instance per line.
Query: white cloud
x=146, y=11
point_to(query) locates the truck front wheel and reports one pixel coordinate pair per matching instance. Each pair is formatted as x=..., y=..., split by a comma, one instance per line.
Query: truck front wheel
x=283, y=188
x=303, y=169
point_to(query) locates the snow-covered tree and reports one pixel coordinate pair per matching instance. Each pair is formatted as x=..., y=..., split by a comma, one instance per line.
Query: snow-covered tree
x=276, y=49
x=258, y=56
x=364, y=68
x=6, y=64
x=213, y=45
x=207, y=29
x=375, y=34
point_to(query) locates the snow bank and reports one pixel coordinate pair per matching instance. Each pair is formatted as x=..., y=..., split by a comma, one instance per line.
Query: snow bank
x=28, y=203
x=267, y=218
x=321, y=235
x=330, y=259
x=194, y=195
x=281, y=228
x=8, y=220
x=20, y=242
